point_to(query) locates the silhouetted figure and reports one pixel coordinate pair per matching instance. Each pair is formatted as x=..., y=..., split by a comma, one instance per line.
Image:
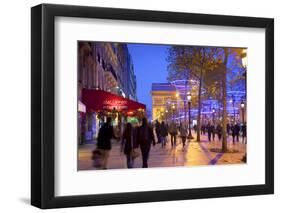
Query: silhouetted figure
x=173, y=132
x=209, y=131
x=213, y=129
x=219, y=131
x=237, y=131
x=105, y=135
x=157, y=131
x=145, y=137
x=228, y=129
x=163, y=134
x=129, y=143
x=244, y=133
x=183, y=134
x=232, y=128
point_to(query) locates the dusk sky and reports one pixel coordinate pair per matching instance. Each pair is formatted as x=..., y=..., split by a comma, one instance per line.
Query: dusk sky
x=150, y=66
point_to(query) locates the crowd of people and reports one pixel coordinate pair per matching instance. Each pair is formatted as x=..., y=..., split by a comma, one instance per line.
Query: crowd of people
x=141, y=136
x=234, y=129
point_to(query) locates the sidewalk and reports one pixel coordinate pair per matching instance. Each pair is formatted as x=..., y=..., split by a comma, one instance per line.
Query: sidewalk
x=194, y=154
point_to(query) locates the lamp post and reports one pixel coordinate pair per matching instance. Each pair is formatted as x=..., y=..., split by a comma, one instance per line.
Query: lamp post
x=242, y=108
x=213, y=112
x=189, y=117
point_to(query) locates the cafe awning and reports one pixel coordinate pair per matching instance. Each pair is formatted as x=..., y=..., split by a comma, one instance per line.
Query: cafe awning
x=98, y=100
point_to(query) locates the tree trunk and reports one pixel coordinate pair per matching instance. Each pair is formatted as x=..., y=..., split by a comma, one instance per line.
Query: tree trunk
x=199, y=98
x=224, y=100
x=199, y=108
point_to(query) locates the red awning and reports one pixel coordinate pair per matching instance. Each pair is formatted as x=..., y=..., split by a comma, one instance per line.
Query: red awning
x=97, y=100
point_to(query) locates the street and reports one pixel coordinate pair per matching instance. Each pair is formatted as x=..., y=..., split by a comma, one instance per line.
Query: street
x=194, y=154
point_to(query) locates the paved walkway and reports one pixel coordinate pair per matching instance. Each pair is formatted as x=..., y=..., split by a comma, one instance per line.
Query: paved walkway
x=194, y=154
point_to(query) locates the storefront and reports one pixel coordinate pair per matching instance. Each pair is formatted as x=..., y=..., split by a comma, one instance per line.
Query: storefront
x=101, y=104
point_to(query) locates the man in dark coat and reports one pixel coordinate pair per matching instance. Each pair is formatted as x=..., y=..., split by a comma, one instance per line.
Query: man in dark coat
x=104, y=140
x=219, y=131
x=145, y=138
x=209, y=130
x=237, y=131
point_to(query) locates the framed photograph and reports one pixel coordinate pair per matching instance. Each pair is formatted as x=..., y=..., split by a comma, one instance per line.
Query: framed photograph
x=141, y=106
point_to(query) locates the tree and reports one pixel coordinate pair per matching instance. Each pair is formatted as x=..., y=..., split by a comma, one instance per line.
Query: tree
x=229, y=78
x=190, y=62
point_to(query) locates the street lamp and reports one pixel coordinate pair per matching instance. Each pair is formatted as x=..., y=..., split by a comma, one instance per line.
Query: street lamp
x=189, y=117
x=243, y=109
x=213, y=112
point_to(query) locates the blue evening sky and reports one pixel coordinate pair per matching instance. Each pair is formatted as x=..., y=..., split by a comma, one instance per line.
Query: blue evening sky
x=150, y=66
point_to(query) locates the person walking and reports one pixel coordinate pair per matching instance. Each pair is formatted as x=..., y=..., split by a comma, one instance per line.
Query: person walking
x=105, y=135
x=237, y=131
x=232, y=128
x=228, y=129
x=213, y=129
x=173, y=132
x=157, y=131
x=203, y=129
x=244, y=133
x=209, y=131
x=163, y=134
x=183, y=134
x=145, y=137
x=219, y=131
x=129, y=144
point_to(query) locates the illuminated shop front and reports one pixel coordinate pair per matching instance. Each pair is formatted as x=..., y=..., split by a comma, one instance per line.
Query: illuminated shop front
x=101, y=104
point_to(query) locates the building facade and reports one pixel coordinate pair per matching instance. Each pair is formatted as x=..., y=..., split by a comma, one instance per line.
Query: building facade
x=103, y=66
x=106, y=66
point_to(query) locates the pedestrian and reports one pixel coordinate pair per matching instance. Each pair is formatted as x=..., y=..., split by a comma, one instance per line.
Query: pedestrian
x=202, y=129
x=195, y=128
x=209, y=131
x=157, y=131
x=183, y=134
x=213, y=130
x=228, y=129
x=129, y=144
x=219, y=131
x=145, y=137
x=237, y=131
x=163, y=134
x=232, y=128
x=244, y=133
x=173, y=132
x=105, y=135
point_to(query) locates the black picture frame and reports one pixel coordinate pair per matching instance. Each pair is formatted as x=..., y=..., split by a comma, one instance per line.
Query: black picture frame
x=43, y=105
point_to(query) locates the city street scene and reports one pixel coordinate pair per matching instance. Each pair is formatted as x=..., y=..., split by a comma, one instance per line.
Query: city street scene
x=155, y=105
